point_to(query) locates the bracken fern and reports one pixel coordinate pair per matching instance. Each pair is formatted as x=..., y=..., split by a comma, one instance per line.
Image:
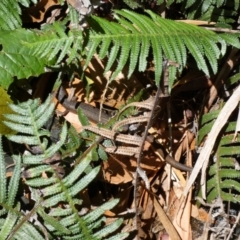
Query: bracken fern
x=130, y=38
x=127, y=40
x=28, y=120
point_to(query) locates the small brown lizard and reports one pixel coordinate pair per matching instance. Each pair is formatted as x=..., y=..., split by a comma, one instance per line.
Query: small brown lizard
x=93, y=114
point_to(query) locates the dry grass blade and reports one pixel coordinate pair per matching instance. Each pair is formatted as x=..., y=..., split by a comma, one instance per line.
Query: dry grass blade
x=165, y=221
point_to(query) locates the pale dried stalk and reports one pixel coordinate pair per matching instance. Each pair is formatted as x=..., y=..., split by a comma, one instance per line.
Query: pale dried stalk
x=203, y=159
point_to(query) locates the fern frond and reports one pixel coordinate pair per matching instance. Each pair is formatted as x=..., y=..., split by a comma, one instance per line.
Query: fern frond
x=73, y=143
x=224, y=173
x=206, y=123
x=66, y=223
x=64, y=191
x=133, y=35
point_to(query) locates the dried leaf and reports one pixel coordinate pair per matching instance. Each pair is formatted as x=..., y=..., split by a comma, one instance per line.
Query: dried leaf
x=4, y=109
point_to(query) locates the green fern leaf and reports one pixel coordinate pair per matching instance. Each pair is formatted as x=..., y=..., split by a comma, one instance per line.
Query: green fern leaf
x=109, y=229
x=219, y=3
x=26, y=3
x=236, y=5
x=14, y=182
x=57, y=212
x=228, y=173
x=83, y=118
x=207, y=123
x=231, y=184
x=78, y=170
x=206, y=5
x=224, y=173
x=3, y=183
x=230, y=150
x=76, y=188
x=232, y=39
x=9, y=223
x=95, y=214
x=140, y=33
x=102, y=154
x=52, y=201
x=37, y=171
x=189, y=3
x=41, y=182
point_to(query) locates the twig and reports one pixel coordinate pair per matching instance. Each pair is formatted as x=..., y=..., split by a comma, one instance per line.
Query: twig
x=149, y=124
x=24, y=219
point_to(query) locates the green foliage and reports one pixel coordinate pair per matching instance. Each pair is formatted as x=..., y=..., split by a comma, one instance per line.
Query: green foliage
x=15, y=59
x=221, y=11
x=8, y=191
x=26, y=53
x=10, y=12
x=233, y=79
x=224, y=172
x=28, y=120
x=139, y=34
x=224, y=13
x=214, y=10
x=205, y=5
x=10, y=209
x=11, y=9
x=128, y=40
x=132, y=4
